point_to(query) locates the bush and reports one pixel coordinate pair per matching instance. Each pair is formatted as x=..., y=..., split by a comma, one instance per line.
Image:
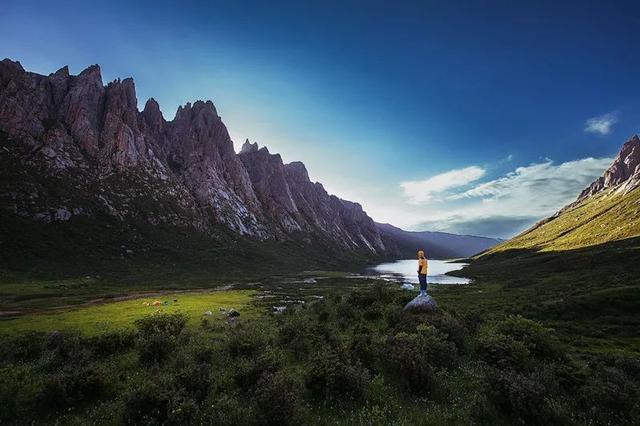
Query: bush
x=608, y=394
x=195, y=379
x=248, y=340
x=279, y=398
x=330, y=374
x=72, y=388
x=156, y=348
x=365, y=344
x=23, y=347
x=454, y=330
x=540, y=341
x=111, y=343
x=161, y=324
x=414, y=358
x=157, y=336
x=501, y=351
x=249, y=370
x=522, y=398
x=147, y=403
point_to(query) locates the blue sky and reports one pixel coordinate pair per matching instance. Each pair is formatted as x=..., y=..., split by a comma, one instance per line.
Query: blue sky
x=469, y=116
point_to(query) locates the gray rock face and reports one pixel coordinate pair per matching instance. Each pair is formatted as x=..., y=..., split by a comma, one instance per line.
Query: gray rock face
x=422, y=304
x=108, y=157
x=623, y=174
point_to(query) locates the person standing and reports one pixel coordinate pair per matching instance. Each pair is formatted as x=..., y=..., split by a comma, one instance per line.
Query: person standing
x=423, y=266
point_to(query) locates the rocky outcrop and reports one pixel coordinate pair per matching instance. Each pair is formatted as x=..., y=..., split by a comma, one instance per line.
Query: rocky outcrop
x=267, y=175
x=75, y=147
x=422, y=303
x=200, y=150
x=623, y=174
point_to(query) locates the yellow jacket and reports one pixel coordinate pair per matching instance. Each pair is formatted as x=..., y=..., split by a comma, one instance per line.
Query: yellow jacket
x=423, y=266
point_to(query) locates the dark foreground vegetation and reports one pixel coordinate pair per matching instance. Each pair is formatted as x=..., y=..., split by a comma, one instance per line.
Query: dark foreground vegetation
x=354, y=358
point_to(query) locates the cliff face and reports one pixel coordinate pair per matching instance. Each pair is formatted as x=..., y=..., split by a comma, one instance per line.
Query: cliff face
x=78, y=148
x=623, y=174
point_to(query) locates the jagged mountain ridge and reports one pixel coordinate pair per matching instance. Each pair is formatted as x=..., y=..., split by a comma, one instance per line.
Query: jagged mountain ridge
x=75, y=148
x=109, y=158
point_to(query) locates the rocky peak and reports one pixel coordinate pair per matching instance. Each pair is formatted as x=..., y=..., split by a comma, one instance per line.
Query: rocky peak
x=10, y=69
x=121, y=97
x=623, y=174
x=62, y=72
x=152, y=116
x=249, y=147
x=82, y=108
x=296, y=171
x=92, y=72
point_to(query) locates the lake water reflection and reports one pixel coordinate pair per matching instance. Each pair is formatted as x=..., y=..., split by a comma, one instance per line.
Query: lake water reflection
x=406, y=271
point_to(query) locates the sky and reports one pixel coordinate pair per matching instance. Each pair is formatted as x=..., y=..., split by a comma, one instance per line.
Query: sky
x=475, y=117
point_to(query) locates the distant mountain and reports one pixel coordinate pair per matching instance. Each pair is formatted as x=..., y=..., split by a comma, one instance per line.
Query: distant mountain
x=76, y=152
x=606, y=211
x=438, y=245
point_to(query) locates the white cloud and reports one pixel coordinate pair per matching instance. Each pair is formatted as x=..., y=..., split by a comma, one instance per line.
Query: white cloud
x=499, y=207
x=517, y=199
x=601, y=125
x=421, y=191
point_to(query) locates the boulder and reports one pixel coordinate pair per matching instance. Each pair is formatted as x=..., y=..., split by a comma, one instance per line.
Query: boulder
x=422, y=303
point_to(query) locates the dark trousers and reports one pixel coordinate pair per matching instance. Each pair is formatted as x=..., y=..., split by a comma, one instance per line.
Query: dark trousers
x=423, y=281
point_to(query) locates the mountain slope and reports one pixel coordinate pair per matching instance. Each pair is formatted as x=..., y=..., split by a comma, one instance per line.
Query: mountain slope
x=438, y=245
x=76, y=150
x=607, y=211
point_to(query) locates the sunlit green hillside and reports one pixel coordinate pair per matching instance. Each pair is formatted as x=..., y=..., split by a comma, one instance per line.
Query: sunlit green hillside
x=604, y=218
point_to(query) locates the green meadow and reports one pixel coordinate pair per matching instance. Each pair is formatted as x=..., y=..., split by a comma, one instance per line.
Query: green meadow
x=109, y=316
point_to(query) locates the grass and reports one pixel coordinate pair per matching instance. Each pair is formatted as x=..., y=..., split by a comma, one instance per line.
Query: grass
x=354, y=357
x=603, y=218
x=113, y=316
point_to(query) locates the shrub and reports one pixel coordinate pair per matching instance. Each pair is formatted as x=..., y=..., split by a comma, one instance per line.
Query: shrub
x=156, y=348
x=147, y=403
x=414, y=357
x=501, y=351
x=72, y=388
x=330, y=374
x=161, y=324
x=608, y=393
x=111, y=343
x=157, y=336
x=294, y=333
x=364, y=345
x=522, y=398
x=249, y=370
x=540, y=341
x=23, y=347
x=195, y=379
x=248, y=340
x=279, y=397
x=454, y=330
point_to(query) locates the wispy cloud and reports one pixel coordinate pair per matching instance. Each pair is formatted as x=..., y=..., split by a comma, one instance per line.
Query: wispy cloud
x=601, y=125
x=507, y=205
x=421, y=191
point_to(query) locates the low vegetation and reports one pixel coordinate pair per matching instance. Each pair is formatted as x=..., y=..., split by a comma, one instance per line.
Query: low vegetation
x=351, y=358
x=106, y=316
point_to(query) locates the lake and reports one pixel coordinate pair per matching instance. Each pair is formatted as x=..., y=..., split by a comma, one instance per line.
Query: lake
x=406, y=271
